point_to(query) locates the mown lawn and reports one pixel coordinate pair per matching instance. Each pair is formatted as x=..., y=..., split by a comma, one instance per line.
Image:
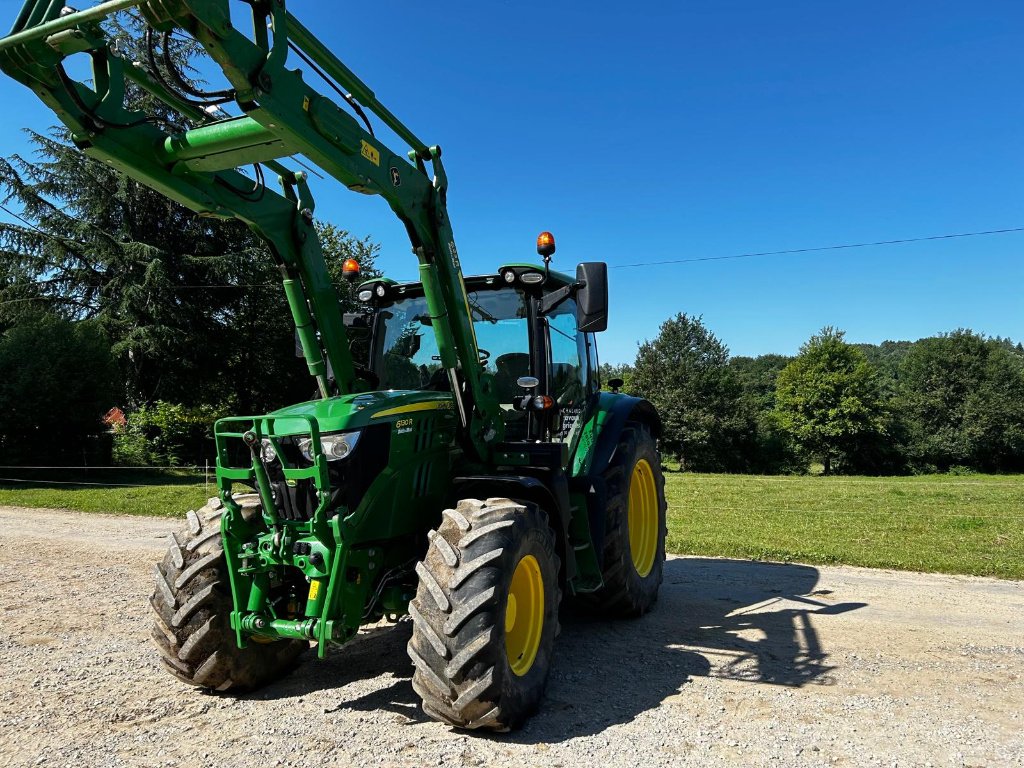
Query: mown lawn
x=120, y=492
x=951, y=524
x=966, y=524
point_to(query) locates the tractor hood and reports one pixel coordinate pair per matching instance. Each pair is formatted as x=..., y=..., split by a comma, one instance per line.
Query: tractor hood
x=350, y=412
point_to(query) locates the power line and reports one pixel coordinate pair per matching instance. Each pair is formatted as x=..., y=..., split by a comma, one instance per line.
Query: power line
x=822, y=248
x=27, y=223
x=63, y=240
x=790, y=251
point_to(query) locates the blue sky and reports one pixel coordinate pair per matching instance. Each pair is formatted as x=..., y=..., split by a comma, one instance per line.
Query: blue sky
x=653, y=131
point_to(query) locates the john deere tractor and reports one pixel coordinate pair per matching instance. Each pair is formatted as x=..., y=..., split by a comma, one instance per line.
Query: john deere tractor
x=467, y=472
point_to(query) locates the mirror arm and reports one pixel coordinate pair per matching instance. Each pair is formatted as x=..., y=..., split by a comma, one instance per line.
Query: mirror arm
x=555, y=298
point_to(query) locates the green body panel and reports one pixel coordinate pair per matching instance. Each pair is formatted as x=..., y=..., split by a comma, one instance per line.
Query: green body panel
x=343, y=560
x=347, y=412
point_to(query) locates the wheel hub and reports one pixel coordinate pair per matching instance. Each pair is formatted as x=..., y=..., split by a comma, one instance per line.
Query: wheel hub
x=643, y=518
x=524, y=615
x=510, y=613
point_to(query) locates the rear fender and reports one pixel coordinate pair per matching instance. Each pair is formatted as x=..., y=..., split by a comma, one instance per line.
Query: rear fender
x=600, y=434
x=595, y=448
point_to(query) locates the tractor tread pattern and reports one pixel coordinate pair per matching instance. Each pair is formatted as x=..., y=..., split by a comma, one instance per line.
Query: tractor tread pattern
x=457, y=646
x=191, y=604
x=625, y=593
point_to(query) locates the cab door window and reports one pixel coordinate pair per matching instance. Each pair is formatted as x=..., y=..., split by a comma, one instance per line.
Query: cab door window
x=567, y=376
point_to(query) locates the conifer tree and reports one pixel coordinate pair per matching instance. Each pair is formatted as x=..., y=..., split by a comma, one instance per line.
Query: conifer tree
x=192, y=305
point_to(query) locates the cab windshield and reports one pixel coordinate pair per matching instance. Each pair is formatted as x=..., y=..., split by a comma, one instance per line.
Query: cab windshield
x=406, y=355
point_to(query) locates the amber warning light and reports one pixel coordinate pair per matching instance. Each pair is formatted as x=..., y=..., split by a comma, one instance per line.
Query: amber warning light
x=350, y=269
x=545, y=244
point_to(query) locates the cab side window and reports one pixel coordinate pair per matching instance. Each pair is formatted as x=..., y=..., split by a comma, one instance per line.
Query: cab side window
x=567, y=366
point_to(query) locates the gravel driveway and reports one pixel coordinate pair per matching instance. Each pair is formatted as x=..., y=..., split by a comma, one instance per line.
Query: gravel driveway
x=740, y=663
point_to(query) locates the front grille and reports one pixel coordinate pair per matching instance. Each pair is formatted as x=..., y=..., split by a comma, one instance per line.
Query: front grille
x=349, y=478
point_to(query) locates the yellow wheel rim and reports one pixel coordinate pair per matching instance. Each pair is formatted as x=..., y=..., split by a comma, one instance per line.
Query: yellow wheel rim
x=524, y=615
x=643, y=518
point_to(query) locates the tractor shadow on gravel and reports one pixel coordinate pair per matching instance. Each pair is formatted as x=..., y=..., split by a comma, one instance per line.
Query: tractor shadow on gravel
x=732, y=619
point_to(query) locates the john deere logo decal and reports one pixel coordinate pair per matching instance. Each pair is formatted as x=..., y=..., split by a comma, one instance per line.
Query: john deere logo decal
x=396, y=177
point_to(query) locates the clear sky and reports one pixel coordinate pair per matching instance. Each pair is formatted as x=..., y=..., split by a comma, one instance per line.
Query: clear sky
x=648, y=131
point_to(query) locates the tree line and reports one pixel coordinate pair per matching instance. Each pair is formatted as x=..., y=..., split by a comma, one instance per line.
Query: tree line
x=111, y=295
x=950, y=403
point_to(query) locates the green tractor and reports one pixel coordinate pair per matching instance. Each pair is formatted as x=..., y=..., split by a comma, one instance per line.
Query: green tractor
x=464, y=470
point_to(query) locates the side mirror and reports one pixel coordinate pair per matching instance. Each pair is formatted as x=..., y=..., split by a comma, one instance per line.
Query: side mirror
x=592, y=298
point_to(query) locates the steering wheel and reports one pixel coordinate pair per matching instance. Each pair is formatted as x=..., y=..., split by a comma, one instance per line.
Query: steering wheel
x=564, y=399
x=568, y=396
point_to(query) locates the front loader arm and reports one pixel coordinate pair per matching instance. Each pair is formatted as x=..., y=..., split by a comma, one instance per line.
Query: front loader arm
x=282, y=115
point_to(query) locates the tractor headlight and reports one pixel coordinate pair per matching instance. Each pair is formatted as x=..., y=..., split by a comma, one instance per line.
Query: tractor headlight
x=267, y=452
x=334, y=447
x=532, y=278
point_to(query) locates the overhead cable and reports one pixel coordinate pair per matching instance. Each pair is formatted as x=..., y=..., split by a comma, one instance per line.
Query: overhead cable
x=844, y=246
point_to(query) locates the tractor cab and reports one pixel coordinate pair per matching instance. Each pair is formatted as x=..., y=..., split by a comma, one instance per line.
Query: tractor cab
x=530, y=331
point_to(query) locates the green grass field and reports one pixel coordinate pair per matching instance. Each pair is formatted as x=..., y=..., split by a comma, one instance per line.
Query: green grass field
x=967, y=524
x=120, y=492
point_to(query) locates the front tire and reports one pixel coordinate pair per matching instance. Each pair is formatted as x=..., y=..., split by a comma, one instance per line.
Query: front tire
x=485, y=615
x=191, y=612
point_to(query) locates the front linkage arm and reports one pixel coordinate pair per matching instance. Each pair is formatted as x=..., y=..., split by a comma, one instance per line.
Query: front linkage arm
x=282, y=116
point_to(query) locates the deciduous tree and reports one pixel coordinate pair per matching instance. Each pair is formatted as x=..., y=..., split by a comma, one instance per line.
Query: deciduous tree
x=56, y=384
x=684, y=372
x=961, y=397
x=828, y=401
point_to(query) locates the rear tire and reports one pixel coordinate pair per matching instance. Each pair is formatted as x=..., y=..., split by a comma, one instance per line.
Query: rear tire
x=192, y=605
x=485, y=615
x=634, y=542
